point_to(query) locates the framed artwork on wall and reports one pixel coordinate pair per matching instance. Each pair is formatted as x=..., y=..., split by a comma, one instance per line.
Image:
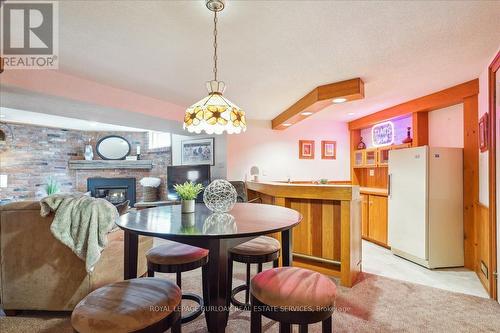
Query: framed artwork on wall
x=306, y=149
x=483, y=133
x=197, y=151
x=328, y=150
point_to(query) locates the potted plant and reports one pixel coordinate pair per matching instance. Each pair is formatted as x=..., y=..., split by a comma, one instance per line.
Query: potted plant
x=52, y=186
x=188, y=192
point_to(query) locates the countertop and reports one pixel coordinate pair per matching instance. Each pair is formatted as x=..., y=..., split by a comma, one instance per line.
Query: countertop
x=374, y=191
x=306, y=191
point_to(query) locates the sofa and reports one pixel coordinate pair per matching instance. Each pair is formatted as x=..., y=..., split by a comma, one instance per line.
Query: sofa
x=37, y=272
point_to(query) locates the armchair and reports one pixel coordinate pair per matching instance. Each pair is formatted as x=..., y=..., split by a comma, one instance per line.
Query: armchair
x=241, y=190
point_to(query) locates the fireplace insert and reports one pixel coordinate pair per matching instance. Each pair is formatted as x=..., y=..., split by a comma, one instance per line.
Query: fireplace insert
x=115, y=190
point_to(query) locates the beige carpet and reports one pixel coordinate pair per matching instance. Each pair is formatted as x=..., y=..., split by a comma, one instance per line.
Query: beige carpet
x=375, y=304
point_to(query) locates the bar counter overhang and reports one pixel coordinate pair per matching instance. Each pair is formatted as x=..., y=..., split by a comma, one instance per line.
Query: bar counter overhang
x=328, y=239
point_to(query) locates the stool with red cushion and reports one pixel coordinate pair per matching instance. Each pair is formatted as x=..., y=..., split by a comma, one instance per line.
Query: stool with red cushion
x=258, y=251
x=173, y=257
x=292, y=296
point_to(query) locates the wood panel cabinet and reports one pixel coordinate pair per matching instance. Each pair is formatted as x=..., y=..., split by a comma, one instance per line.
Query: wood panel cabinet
x=364, y=215
x=375, y=157
x=371, y=157
x=374, y=218
x=359, y=158
x=377, y=218
x=383, y=156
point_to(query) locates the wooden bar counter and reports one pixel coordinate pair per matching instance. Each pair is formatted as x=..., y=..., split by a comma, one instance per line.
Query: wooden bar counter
x=328, y=239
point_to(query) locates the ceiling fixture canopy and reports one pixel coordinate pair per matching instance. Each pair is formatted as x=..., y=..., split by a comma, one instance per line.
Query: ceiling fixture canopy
x=215, y=114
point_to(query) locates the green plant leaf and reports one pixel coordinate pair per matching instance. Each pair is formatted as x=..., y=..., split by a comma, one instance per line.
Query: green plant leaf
x=188, y=190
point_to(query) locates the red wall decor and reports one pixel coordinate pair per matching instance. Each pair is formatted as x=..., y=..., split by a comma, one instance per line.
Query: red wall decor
x=306, y=149
x=328, y=150
x=483, y=133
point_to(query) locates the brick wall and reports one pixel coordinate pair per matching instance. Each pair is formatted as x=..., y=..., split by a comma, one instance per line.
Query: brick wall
x=37, y=153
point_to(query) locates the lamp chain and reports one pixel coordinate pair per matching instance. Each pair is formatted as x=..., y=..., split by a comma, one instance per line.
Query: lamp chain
x=215, y=45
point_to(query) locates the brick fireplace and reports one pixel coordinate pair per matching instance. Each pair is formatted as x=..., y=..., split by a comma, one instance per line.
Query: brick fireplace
x=38, y=153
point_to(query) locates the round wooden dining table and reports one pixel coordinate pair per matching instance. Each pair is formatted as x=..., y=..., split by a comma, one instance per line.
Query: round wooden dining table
x=217, y=232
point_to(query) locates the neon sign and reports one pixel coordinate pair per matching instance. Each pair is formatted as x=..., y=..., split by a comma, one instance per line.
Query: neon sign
x=383, y=134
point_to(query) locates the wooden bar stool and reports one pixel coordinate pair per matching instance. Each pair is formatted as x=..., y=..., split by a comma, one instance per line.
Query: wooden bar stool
x=292, y=296
x=258, y=251
x=136, y=305
x=173, y=257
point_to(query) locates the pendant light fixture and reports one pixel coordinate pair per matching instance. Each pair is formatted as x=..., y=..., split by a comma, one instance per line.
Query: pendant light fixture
x=215, y=114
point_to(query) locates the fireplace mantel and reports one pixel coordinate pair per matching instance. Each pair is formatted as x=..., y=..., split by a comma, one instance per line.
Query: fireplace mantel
x=109, y=164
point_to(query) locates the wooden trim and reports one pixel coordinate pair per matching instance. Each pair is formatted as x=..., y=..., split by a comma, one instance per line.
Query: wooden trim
x=376, y=242
x=355, y=137
x=483, y=239
x=438, y=100
x=319, y=98
x=492, y=72
x=109, y=164
x=471, y=179
x=420, y=121
x=350, y=241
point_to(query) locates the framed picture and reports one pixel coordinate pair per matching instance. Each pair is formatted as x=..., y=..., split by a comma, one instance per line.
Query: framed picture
x=197, y=151
x=328, y=150
x=306, y=149
x=483, y=133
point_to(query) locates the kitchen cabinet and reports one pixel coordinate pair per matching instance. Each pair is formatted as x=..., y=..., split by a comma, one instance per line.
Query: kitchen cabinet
x=371, y=157
x=375, y=157
x=359, y=158
x=383, y=156
x=374, y=218
x=364, y=215
x=377, y=218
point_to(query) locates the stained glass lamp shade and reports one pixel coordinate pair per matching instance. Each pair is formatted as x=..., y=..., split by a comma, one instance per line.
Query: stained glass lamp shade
x=215, y=114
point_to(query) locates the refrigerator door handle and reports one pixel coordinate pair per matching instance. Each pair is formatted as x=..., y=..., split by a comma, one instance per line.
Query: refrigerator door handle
x=389, y=184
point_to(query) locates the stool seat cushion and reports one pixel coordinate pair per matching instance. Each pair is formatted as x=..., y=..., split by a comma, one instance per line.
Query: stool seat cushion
x=126, y=306
x=258, y=246
x=173, y=253
x=294, y=287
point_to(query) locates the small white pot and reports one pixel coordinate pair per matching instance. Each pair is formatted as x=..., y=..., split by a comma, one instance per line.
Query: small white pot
x=187, y=206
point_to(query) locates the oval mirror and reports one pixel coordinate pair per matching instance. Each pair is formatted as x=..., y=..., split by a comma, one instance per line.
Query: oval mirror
x=113, y=147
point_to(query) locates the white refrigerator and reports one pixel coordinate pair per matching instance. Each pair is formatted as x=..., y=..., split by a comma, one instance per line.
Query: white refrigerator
x=426, y=205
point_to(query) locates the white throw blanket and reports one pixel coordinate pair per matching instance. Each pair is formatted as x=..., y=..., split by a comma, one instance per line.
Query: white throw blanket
x=81, y=223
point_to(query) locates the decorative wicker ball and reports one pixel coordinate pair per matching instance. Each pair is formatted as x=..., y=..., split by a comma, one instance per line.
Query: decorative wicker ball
x=220, y=196
x=219, y=223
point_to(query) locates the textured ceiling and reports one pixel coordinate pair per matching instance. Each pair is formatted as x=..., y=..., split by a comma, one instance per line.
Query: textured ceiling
x=273, y=52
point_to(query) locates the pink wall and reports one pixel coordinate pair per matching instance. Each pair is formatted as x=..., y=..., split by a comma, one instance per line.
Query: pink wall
x=57, y=83
x=483, y=106
x=446, y=127
x=277, y=156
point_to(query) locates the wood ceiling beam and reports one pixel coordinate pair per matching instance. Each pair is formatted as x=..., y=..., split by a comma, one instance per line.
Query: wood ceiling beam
x=319, y=98
x=441, y=99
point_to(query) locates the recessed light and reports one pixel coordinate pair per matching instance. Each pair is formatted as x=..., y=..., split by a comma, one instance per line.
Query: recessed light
x=339, y=100
x=2, y=116
x=351, y=114
x=287, y=124
x=307, y=113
